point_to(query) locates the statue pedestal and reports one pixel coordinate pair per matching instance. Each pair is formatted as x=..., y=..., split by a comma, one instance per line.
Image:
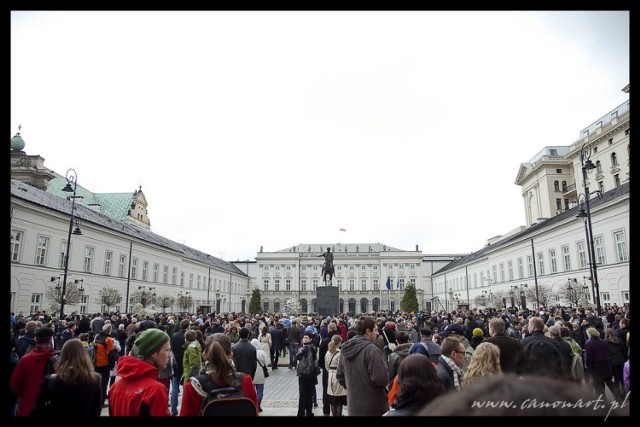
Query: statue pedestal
x=327, y=300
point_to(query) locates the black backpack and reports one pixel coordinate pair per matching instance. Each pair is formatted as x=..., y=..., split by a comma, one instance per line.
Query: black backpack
x=226, y=401
x=543, y=358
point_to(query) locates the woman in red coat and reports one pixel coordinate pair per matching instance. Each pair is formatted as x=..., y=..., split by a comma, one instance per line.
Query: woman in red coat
x=219, y=367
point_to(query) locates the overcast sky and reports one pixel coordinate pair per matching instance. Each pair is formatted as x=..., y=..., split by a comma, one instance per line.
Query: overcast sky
x=249, y=129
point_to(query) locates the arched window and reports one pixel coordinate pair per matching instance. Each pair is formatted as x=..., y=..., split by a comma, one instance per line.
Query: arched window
x=564, y=186
x=364, y=304
x=614, y=159
x=556, y=186
x=598, y=166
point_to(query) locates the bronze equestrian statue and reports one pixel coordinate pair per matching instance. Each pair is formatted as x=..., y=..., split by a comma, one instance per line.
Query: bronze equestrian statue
x=327, y=268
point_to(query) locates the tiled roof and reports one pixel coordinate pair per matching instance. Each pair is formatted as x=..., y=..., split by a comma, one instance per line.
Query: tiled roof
x=571, y=213
x=50, y=200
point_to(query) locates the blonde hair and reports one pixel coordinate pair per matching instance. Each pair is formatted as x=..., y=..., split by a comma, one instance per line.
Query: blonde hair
x=484, y=362
x=334, y=343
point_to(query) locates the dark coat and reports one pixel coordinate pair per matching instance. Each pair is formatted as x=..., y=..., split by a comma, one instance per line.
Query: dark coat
x=597, y=359
x=511, y=354
x=245, y=357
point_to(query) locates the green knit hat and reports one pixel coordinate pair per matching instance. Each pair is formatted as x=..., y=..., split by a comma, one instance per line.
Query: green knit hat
x=150, y=341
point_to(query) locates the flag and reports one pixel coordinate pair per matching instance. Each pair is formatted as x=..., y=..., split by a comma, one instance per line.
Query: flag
x=343, y=229
x=389, y=283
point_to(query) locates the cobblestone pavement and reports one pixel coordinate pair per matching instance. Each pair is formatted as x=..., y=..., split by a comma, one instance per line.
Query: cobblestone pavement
x=280, y=397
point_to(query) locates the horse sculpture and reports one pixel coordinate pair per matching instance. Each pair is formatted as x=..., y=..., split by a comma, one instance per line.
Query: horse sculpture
x=327, y=269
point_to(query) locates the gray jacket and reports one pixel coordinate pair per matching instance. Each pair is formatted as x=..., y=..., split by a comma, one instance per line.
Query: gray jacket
x=362, y=370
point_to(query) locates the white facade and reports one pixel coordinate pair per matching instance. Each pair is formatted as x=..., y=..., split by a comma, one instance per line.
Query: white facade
x=100, y=257
x=361, y=272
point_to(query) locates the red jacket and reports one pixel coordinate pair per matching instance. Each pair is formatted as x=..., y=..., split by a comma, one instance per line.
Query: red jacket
x=191, y=400
x=137, y=391
x=27, y=376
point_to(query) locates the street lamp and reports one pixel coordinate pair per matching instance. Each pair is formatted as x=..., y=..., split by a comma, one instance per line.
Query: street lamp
x=72, y=185
x=217, y=301
x=587, y=165
x=242, y=303
x=572, y=293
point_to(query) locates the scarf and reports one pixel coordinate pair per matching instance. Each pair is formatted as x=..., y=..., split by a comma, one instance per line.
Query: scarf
x=457, y=372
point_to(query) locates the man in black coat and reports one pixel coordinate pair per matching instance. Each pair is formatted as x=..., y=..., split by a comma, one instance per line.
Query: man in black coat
x=512, y=359
x=177, y=341
x=244, y=354
x=277, y=344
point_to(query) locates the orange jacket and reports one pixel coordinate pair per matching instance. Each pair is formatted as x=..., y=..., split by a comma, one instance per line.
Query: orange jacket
x=101, y=353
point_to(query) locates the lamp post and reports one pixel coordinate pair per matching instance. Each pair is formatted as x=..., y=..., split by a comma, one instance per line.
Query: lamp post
x=587, y=165
x=242, y=304
x=572, y=293
x=72, y=185
x=217, y=301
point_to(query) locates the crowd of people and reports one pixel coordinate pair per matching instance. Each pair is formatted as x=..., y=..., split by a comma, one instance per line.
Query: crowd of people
x=393, y=364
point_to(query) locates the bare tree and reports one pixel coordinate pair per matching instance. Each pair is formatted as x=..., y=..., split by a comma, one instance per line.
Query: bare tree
x=143, y=297
x=184, y=302
x=292, y=306
x=544, y=295
x=570, y=293
x=109, y=297
x=165, y=301
x=54, y=294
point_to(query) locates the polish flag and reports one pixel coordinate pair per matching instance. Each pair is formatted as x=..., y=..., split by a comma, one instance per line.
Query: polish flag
x=343, y=229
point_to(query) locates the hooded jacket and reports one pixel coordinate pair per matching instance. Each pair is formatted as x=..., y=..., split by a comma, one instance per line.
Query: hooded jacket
x=138, y=391
x=363, y=372
x=27, y=376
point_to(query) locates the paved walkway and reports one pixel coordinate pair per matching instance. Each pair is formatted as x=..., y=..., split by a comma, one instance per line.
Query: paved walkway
x=280, y=397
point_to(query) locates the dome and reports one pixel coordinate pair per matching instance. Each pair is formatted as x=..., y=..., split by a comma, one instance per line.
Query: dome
x=17, y=143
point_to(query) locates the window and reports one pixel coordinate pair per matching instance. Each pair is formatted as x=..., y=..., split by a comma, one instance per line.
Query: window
x=614, y=159
x=266, y=267
x=566, y=258
x=375, y=267
x=520, y=268
x=558, y=204
x=287, y=285
x=265, y=285
x=540, y=263
x=351, y=267
x=315, y=268
x=564, y=186
x=610, y=141
x=363, y=285
x=605, y=296
x=303, y=285
x=277, y=284
x=598, y=167
x=401, y=266
x=16, y=241
x=556, y=186
x=566, y=204
x=63, y=253
x=616, y=180
x=376, y=284
x=601, y=186
x=156, y=272
x=88, y=259
x=288, y=268
x=182, y=279
x=582, y=255
x=165, y=274
x=41, y=251
x=495, y=274
x=558, y=170
x=401, y=283
x=174, y=275
x=530, y=265
x=265, y=307
x=108, y=257
x=502, y=272
x=134, y=268
x=35, y=303
x=145, y=270
x=621, y=246
x=352, y=285
x=190, y=280
x=277, y=267
x=554, y=262
x=304, y=267
x=412, y=282
x=122, y=265
x=199, y=281
x=599, y=250
x=363, y=267
x=314, y=283
x=339, y=282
